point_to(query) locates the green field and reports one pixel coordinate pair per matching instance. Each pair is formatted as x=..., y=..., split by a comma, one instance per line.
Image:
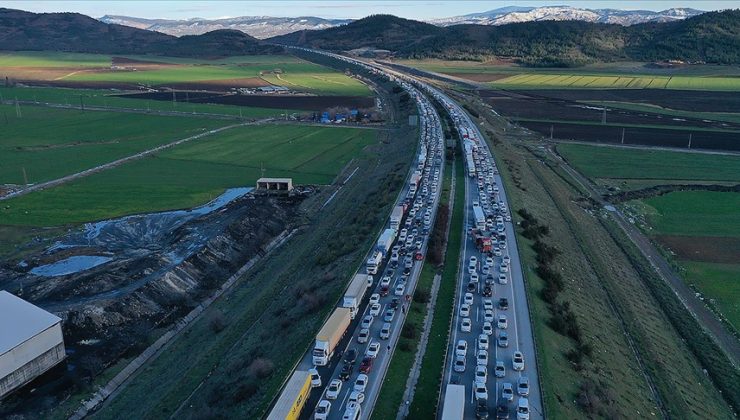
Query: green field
x=106, y=98
x=715, y=116
x=623, y=163
x=193, y=173
x=720, y=283
x=280, y=70
x=695, y=213
x=49, y=143
x=528, y=81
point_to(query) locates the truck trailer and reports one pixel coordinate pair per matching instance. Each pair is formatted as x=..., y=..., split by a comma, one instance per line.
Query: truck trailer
x=293, y=398
x=454, y=403
x=329, y=336
x=386, y=240
x=480, y=218
x=373, y=262
x=396, y=217
x=355, y=293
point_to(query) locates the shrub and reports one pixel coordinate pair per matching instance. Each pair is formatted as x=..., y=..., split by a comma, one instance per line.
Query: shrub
x=217, y=321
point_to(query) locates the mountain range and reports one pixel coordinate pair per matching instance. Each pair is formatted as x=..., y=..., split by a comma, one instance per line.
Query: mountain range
x=262, y=27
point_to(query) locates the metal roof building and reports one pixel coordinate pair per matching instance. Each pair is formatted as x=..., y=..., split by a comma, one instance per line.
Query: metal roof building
x=31, y=342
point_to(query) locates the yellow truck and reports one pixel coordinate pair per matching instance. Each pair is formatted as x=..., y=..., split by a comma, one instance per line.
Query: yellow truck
x=293, y=398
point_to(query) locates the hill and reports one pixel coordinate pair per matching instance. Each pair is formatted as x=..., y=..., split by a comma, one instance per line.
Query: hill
x=711, y=37
x=74, y=32
x=257, y=26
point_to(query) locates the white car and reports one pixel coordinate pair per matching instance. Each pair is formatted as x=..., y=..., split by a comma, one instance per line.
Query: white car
x=400, y=289
x=459, y=364
x=473, y=264
x=375, y=309
x=480, y=391
x=522, y=387
x=507, y=259
x=500, y=369
x=481, y=359
x=352, y=412
x=315, y=378
x=385, y=281
x=504, y=267
x=465, y=310
x=518, y=361
x=487, y=328
x=367, y=321
x=335, y=387
x=466, y=325
x=462, y=348
x=360, y=383
x=522, y=409
x=363, y=336
x=374, y=298
x=489, y=261
x=483, y=342
x=488, y=304
x=481, y=374
x=385, y=331
x=474, y=277
x=357, y=397
x=507, y=391
x=488, y=316
x=502, y=279
x=322, y=410
x=502, y=322
x=372, y=350
x=468, y=298
x=497, y=251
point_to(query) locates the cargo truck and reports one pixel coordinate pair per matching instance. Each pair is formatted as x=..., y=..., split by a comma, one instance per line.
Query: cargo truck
x=373, y=262
x=355, y=293
x=453, y=407
x=386, y=240
x=329, y=336
x=293, y=398
x=396, y=217
x=480, y=218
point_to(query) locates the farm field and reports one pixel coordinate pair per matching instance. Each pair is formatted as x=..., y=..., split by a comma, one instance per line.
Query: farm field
x=629, y=165
x=49, y=143
x=111, y=71
x=731, y=117
x=110, y=98
x=577, y=81
x=699, y=229
x=193, y=173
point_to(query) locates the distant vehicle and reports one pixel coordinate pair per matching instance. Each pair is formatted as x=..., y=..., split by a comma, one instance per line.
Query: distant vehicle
x=453, y=407
x=385, y=331
x=363, y=336
x=400, y=289
x=459, y=363
x=500, y=369
x=329, y=336
x=507, y=391
x=488, y=316
x=389, y=314
x=503, y=339
x=502, y=322
x=488, y=290
x=361, y=383
x=374, y=298
x=481, y=359
x=315, y=378
x=366, y=365
x=352, y=412
x=502, y=410
x=375, y=309
x=466, y=325
x=335, y=387
x=472, y=287
x=322, y=410
x=518, y=361
x=357, y=397
x=522, y=409
x=367, y=321
x=465, y=310
x=522, y=387
x=503, y=303
x=481, y=392
x=502, y=279
x=487, y=304
x=487, y=328
x=481, y=374
x=350, y=356
x=468, y=298
x=483, y=342
x=346, y=372
x=461, y=349
x=372, y=350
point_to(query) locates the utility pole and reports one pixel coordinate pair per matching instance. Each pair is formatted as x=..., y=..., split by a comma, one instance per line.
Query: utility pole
x=240, y=114
x=25, y=177
x=552, y=128
x=690, y=140
x=262, y=169
x=622, y=135
x=603, y=116
x=18, y=109
x=174, y=99
x=82, y=104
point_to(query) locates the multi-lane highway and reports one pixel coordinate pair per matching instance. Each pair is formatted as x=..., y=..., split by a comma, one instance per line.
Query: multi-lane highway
x=491, y=324
x=488, y=330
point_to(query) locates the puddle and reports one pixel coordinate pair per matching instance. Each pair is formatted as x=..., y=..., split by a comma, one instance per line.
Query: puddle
x=70, y=265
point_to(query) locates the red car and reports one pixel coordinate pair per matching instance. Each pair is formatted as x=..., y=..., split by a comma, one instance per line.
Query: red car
x=384, y=291
x=366, y=365
x=419, y=256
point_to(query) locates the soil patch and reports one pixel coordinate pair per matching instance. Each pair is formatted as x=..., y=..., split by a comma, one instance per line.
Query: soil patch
x=713, y=249
x=311, y=103
x=222, y=85
x=479, y=77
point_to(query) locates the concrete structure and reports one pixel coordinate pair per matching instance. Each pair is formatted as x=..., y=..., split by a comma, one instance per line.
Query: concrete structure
x=31, y=342
x=275, y=184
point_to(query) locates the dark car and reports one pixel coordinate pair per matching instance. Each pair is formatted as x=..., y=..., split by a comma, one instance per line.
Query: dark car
x=350, y=357
x=366, y=365
x=384, y=291
x=488, y=291
x=471, y=287
x=481, y=409
x=502, y=410
x=346, y=372
x=394, y=303
x=454, y=379
x=503, y=303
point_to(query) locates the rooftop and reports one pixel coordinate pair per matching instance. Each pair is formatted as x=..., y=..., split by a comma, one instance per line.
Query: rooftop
x=21, y=320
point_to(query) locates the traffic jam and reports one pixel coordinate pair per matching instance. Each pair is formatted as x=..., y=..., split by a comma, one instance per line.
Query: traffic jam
x=341, y=374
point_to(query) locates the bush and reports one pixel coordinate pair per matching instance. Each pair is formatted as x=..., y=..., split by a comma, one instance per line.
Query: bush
x=260, y=368
x=408, y=331
x=217, y=321
x=422, y=296
x=405, y=346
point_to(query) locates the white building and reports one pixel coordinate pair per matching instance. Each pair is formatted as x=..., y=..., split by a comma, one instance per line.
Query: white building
x=31, y=342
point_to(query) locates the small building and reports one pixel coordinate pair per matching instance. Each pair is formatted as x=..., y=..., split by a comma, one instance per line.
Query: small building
x=275, y=184
x=31, y=342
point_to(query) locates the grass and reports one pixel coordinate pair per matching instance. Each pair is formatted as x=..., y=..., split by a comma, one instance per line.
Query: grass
x=719, y=283
x=629, y=163
x=193, y=173
x=48, y=143
x=296, y=73
x=694, y=213
x=105, y=98
x=631, y=106
x=628, y=125
x=426, y=395
x=576, y=81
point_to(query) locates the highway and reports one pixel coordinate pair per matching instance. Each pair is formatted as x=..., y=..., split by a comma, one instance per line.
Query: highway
x=426, y=200
x=518, y=328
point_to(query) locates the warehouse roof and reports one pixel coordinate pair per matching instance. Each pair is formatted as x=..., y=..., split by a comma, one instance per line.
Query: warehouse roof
x=21, y=321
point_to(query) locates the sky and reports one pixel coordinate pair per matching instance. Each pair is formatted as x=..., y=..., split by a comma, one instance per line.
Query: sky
x=419, y=9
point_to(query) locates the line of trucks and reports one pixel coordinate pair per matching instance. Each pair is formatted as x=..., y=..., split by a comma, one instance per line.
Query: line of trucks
x=297, y=389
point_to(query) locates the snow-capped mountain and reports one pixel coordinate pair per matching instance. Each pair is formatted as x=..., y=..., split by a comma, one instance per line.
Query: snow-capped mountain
x=515, y=14
x=257, y=26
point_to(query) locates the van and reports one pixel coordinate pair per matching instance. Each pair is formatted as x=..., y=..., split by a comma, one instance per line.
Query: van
x=352, y=412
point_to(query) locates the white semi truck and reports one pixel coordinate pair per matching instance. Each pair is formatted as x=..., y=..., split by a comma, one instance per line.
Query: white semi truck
x=396, y=217
x=329, y=336
x=354, y=294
